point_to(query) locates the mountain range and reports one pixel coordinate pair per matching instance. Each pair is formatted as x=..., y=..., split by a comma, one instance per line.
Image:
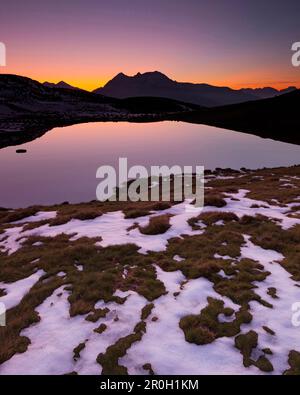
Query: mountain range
x=157, y=84
x=60, y=84
x=29, y=109
x=276, y=118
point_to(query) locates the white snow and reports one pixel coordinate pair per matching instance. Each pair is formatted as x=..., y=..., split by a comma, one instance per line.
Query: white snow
x=17, y=290
x=113, y=229
x=56, y=335
x=39, y=216
x=178, y=258
x=242, y=207
x=278, y=318
x=164, y=345
x=11, y=239
x=113, y=226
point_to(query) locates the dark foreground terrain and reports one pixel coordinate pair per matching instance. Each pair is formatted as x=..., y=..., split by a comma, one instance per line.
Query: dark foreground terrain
x=29, y=109
x=277, y=118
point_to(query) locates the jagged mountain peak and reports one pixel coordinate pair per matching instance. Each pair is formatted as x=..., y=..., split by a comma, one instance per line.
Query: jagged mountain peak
x=157, y=84
x=60, y=84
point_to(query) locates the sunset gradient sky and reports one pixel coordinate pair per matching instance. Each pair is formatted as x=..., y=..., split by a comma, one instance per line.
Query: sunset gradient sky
x=86, y=42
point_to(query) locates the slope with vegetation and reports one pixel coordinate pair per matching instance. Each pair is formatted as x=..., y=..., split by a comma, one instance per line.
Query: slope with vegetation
x=145, y=287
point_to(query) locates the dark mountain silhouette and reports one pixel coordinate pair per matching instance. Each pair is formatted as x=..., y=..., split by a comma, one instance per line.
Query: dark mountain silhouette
x=60, y=84
x=22, y=95
x=29, y=108
x=266, y=93
x=159, y=85
x=276, y=118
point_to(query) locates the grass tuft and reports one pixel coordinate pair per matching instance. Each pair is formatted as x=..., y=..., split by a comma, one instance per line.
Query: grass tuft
x=157, y=225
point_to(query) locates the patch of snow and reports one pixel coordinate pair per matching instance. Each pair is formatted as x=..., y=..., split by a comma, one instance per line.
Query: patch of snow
x=289, y=185
x=243, y=207
x=218, y=256
x=113, y=226
x=224, y=177
x=278, y=318
x=128, y=316
x=164, y=346
x=219, y=223
x=224, y=318
x=37, y=243
x=178, y=258
x=40, y=216
x=224, y=275
x=11, y=239
x=17, y=290
x=57, y=334
x=113, y=229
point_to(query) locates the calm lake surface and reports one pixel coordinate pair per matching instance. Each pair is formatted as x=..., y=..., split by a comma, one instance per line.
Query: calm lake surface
x=61, y=165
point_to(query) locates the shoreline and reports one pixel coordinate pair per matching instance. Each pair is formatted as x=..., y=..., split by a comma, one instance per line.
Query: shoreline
x=31, y=130
x=217, y=172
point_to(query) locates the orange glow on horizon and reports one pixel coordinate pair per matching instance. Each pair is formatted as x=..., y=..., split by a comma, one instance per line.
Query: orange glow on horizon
x=92, y=84
x=86, y=43
x=90, y=72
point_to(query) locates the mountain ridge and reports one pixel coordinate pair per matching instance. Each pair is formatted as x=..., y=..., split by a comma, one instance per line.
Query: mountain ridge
x=160, y=85
x=29, y=109
x=61, y=85
x=275, y=118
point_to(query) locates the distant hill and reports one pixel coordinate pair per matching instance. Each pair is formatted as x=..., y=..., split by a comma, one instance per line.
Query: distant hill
x=276, y=118
x=159, y=85
x=24, y=96
x=266, y=93
x=29, y=108
x=60, y=84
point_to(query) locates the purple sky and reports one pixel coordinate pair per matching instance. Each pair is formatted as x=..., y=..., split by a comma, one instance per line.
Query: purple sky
x=86, y=42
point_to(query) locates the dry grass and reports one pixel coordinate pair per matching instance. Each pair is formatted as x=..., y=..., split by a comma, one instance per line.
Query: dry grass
x=294, y=362
x=110, y=359
x=103, y=267
x=101, y=328
x=146, y=311
x=212, y=217
x=148, y=368
x=100, y=278
x=22, y=316
x=263, y=185
x=205, y=327
x=157, y=225
x=81, y=211
x=248, y=342
x=214, y=199
x=97, y=314
x=8, y=216
x=77, y=350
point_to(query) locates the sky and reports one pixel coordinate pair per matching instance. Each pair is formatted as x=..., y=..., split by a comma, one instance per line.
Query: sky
x=86, y=42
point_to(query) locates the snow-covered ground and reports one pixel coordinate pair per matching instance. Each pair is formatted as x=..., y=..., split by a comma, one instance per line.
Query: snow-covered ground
x=163, y=345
